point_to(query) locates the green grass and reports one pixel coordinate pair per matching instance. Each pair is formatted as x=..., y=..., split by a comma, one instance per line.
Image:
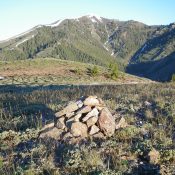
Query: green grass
x=46, y=71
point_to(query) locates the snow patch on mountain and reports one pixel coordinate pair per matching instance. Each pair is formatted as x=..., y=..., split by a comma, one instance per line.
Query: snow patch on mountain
x=143, y=48
x=139, y=53
x=94, y=18
x=24, y=40
x=55, y=24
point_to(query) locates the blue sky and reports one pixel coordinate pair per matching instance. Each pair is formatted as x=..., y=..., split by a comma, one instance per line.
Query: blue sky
x=17, y=16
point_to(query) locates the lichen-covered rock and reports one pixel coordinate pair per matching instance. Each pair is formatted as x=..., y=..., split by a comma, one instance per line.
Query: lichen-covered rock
x=79, y=129
x=91, y=121
x=91, y=101
x=106, y=122
x=92, y=113
x=94, y=129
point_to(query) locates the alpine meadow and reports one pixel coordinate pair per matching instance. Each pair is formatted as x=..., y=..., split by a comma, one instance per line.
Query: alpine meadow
x=90, y=94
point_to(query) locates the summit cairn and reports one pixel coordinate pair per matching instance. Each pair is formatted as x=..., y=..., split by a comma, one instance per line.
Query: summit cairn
x=87, y=116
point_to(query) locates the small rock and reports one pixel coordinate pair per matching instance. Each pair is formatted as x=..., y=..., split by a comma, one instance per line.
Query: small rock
x=101, y=101
x=94, y=129
x=71, y=107
x=69, y=115
x=91, y=101
x=49, y=131
x=154, y=156
x=79, y=103
x=132, y=108
x=100, y=107
x=84, y=109
x=77, y=117
x=2, y=78
x=122, y=124
x=91, y=121
x=69, y=122
x=145, y=133
x=106, y=122
x=92, y=113
x=67, y=136
x=60, y=123
x=79, y=129
x=148, y=104
x=99, y=135
x=50, y=125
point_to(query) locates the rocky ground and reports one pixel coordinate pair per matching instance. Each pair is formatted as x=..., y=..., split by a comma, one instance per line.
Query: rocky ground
x=135, y=126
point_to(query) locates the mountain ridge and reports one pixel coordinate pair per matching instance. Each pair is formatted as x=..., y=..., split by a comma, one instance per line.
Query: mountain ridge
x=94, y=39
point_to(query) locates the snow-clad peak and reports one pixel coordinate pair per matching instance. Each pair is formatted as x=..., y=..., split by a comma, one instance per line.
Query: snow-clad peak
x=94, y=18
x=55, y=24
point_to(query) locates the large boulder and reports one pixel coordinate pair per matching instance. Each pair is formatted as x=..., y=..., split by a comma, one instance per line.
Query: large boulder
x=79, y=129
x=106, y=122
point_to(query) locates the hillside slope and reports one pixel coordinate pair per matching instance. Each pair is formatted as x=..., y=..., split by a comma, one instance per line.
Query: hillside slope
x=50, y=71
x=159, y=70
x=156, y=58
x=87, y=39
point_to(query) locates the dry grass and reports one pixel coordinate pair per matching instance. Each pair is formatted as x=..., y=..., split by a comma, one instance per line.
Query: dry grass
x=54, y=71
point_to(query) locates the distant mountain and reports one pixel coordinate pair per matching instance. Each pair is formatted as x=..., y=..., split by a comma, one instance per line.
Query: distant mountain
x=97, y=40
x=87, y=39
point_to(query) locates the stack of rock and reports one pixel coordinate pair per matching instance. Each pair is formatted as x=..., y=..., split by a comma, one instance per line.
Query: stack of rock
x=85, y=117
